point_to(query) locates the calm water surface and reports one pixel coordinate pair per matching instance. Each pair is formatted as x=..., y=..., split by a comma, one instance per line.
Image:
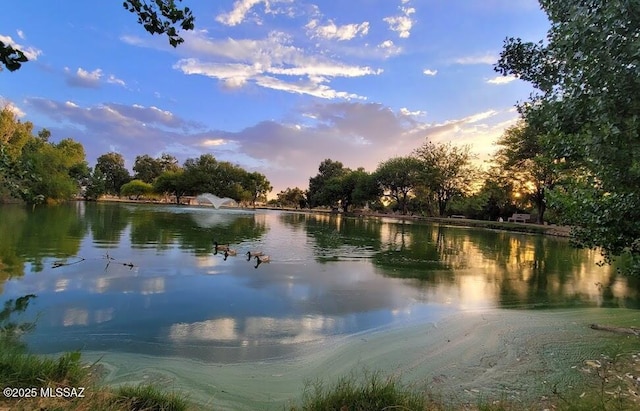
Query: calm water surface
x=145, y=279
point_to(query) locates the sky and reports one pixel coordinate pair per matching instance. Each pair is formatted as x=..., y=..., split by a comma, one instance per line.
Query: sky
x=275, y=86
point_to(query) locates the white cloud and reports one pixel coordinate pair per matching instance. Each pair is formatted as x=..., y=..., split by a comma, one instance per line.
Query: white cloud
x=90, y=79
x=388, y=49
x=20, y=34
x=429, y=72
x=501, y=80
x=331, y=31
x=403, y=23
x=83, y=78
x=270, y=63
x=114, y=80
x=487, y=58
x=239, y=12
x=30, y=53
x=6, y=104
x=406, y=112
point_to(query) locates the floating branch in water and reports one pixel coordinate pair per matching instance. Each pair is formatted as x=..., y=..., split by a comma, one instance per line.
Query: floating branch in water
x=61, y=263
x=110, y=259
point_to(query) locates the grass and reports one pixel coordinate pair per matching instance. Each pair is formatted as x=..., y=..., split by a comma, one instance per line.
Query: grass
x=19, y=369
x=367, y=393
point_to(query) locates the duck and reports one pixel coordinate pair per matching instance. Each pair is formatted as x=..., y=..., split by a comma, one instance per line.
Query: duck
x=261, y=259
x=220, y=247
x=251, y=254
x=228, y=253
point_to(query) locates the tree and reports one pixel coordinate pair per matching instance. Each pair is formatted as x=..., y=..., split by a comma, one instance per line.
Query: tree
x=320, y=192
x=258, y=186
x=446, y=170
x=172, y=183
x=96, y=186
x=353, y=188
x=14, y=134
x=156, y=16
x=292, y=197
x=115, y=174
x=587, y=104
x=136, y=189
x=523, y=158
x=146, y=168
x=398, y=177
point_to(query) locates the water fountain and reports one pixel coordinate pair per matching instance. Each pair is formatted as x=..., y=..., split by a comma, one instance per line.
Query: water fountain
x=216, y=201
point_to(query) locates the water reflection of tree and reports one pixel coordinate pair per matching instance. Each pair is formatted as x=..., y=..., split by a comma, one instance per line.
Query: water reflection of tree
x=107, y=221
x=30, y=235
x=335, y=236
x=424, y=252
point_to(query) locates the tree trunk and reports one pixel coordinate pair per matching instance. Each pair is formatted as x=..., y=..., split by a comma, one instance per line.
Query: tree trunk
x=540, y=205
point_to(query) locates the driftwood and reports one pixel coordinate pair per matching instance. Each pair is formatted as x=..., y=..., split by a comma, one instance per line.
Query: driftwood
x=619, y=330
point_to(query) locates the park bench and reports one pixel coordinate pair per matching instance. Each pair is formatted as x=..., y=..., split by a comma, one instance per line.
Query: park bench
x=523, y=218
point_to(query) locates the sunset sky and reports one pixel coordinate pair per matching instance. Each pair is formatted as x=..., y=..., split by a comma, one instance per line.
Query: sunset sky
x=275, y=86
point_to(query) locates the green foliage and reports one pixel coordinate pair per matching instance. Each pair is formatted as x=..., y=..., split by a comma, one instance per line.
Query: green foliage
x=292, y=197
x=205, y=174
x=369, y=392
x=53, y=164
x=587, y=105
x=399, y=177
x=149, y=398
x=171, y=183
x=111, y=165
x=96, y=185
x=446, y=171
x=526, y=162
x=147, y=168
x=136, y=188
x=18, y=369
x=14, y=134
x=257, y=186
x=34, y=169
x=322, y=190
x=335, y=185
x=161, y=17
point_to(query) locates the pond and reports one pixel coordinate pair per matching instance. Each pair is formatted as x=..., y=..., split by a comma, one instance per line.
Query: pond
x=137, y=285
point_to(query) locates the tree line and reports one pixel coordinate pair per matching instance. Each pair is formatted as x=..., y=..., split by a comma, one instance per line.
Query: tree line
x=35, y=170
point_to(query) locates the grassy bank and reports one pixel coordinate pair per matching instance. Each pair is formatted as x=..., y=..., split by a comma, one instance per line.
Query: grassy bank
x=609, y=385
x=66, y=383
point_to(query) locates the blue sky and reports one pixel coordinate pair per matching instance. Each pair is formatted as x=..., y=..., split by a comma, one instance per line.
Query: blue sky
x=275, y=86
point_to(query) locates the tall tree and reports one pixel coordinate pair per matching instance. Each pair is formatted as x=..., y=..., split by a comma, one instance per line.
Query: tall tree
x=446, y=170
x=292, y=197
x=321, y=192
x=587, y=103
x=172, y=183
x=147, y=168
x=257, y=186
x=53, y=164
x=523, y=157
x=398, y=177
x=111, y=165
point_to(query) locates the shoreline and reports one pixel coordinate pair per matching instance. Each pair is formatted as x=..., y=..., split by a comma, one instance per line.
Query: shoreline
x=527, y=228
x=465, y=357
